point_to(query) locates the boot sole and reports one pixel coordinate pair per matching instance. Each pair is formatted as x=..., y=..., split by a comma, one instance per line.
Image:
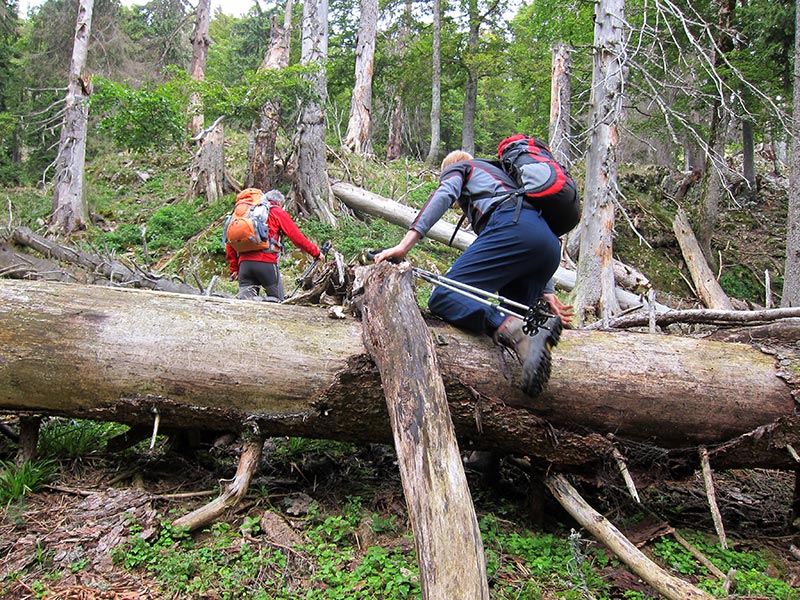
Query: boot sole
x=537, y=366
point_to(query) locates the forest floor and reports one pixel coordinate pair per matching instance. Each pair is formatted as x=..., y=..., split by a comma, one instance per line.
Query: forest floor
x=60, y=543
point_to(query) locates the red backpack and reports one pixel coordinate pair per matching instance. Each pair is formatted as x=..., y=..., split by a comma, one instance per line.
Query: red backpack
x=546, y=184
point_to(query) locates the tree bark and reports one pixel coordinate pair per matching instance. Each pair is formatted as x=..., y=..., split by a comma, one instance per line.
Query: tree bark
x=208, y=168
x=713, y=181
x=70, y=210
x=471, y=88
x=264, y=133
x=312, y=192
x=197, y=71
x=446, y=533
x=708, y=288
x=113, y=354
x=394, y=142
x=357, y=139
x=791, y=278
x=431, y=161
x=560, y=103
x=748, y=157
x=594, y=293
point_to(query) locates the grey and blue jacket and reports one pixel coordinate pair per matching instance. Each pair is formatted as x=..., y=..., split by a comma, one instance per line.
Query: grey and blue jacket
x=477, y=185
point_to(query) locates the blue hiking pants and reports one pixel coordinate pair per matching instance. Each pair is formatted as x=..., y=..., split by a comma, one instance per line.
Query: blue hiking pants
x=515, y=260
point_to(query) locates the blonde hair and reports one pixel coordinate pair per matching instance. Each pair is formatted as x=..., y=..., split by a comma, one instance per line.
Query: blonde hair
x=454, y=157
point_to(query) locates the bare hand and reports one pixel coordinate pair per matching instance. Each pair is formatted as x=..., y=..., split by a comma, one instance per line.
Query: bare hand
x=558, y=308
x=394, y=254
x=235, y=276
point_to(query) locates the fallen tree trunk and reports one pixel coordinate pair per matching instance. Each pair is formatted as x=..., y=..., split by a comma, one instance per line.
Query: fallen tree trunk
x=708, y=288
x=115, y=355
x=97, y=269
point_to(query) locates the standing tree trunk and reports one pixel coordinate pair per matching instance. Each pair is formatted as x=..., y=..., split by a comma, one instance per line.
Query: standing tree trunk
x=748, y=157
x=471, y=90
x=594, y=290
x=200, y=44
x=394, y=143
x=357, y=137
x=791, y=273
x=312, y=191
x=713, y=181
x=436, y=88
x=208, y=167
x=264, y=133
x=560, y=103
x=70, y=211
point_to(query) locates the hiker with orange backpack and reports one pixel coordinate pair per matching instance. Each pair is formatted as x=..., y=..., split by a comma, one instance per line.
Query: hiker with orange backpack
x=252, y=236
x=515, y=254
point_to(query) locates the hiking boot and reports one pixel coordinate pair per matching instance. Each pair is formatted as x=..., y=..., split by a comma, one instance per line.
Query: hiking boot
x=533, y=351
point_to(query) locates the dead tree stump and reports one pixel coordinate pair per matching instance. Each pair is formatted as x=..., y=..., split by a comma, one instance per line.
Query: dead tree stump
x=446, y=533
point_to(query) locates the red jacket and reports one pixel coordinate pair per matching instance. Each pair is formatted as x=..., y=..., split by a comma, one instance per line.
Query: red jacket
x=279, y=223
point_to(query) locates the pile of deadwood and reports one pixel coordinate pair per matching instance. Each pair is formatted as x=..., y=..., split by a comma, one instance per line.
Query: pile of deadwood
x=158, y=354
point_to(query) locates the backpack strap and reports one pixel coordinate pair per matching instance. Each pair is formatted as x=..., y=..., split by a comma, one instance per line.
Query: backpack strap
x=458, y=226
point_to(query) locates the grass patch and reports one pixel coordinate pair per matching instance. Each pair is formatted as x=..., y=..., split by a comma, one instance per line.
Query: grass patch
x=74, y=438
x=16, y=481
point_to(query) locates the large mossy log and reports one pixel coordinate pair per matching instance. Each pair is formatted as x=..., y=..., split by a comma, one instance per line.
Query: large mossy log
x=214, y=363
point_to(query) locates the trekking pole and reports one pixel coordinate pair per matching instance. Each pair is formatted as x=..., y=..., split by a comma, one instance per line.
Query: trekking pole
x=323, y=251
x=533, y=317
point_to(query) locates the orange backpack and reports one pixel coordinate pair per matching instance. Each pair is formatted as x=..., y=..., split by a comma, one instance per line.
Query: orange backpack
x=246, y=227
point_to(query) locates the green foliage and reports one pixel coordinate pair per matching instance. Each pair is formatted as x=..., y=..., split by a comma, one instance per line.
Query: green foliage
x=18, y=480
x=243, y=101
x=567, y=565
x=168, y=228
x=384, y=525
x=73, y=438
x=159, y=31
x=751, y=578
x=738, y=282
x=294, y=449
x=240, y=44
x=143, y=119
x=26, y=206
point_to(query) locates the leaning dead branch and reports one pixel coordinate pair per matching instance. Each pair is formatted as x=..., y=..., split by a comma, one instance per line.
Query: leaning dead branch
x=626, y=475
x=669, y=586
x=711, y=494
x=701, y=558
x=709, y=289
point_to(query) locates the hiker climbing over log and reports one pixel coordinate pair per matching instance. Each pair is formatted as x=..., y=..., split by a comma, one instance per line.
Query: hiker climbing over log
x=515, y=254
x=253, y=242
